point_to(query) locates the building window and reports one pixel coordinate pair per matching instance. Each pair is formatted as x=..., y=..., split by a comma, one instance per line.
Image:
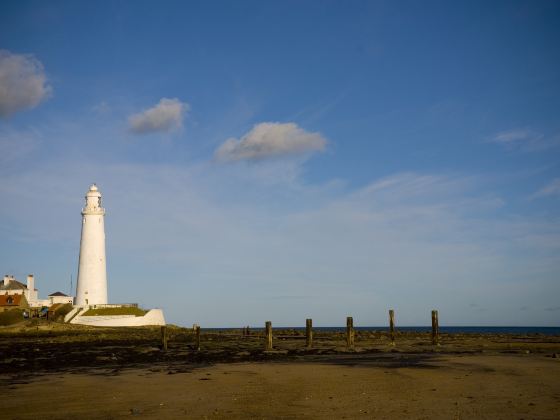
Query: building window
x=9, y=300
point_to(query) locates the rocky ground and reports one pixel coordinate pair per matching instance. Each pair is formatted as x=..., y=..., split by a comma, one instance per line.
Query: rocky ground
x=48, y=370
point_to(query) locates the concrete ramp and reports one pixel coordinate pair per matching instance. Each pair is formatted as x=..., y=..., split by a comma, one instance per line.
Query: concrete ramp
x=70, y=315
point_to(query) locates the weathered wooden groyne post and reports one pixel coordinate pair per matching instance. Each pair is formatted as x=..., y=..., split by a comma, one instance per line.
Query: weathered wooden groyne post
x=268, y=332
x=164, y=337
x=309, y=333
x=197, y=336
x=435, y=328
x=349, y=332
x=392, y=326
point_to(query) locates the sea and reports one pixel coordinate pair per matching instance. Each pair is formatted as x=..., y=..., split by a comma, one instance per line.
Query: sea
x=425, y=329
x=461, y=330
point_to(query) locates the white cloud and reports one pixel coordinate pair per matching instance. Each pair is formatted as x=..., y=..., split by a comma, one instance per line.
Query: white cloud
x=524, y=139
x=512, y=136
x=553, y=188
x=270, y=139
x=23, y=83
x=165, y=116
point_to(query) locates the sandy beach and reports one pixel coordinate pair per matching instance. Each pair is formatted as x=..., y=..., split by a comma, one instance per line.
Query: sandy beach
x=446, y=387
x=88, y=373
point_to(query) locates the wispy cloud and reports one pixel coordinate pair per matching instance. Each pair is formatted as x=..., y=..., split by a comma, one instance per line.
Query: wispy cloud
x=409, y=240
x=166, y=115
x=23, y=83
x=269, y=139
x=349, y=249
x=524, y=139
x=288, y=297
x=514, y=136
x=102, y=108
x=551, y=189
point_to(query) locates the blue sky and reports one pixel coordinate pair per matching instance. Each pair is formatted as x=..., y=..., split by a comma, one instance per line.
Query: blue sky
x=285, y=160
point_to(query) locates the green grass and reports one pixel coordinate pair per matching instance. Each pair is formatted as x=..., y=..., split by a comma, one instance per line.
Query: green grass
x=61, y=312
x=114, y=311
x=11, y=316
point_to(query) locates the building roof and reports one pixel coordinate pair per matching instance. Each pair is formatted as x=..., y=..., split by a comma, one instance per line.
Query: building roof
x=10, y=300
x=58, y=294
x=13, y=285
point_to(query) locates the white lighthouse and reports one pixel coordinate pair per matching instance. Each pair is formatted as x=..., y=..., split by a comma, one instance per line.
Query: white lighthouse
x=91, y=288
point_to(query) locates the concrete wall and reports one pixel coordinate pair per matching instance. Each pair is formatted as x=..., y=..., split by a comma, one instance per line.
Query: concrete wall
x=61, y=299
x=152, y=317
x=38, y=303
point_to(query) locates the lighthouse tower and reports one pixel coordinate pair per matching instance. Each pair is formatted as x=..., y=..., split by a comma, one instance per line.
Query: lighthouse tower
x=91, y=288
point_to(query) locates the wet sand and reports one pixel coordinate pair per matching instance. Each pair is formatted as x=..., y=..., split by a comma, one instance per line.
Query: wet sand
x=93, y=374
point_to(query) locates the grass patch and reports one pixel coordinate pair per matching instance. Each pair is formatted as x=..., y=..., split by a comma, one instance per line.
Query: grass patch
x=114, y=311
x=61, y=312
x=12, y=316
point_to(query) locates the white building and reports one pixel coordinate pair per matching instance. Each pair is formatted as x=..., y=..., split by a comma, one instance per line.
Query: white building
x=11, y=286
x=91, y=286
x=59, y=297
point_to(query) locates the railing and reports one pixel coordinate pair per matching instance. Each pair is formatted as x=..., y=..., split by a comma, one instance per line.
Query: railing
x=114, y=305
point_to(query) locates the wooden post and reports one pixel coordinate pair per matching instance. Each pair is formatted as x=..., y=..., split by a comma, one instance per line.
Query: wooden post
x=197, y=334
x=248, y=331
x=309, y=333
x=435, y=328
x=164, y=337
x=268, y=328
x=392, y=326
x=349, y=332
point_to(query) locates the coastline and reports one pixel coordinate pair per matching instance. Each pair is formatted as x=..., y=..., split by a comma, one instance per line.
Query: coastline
x=62, y=370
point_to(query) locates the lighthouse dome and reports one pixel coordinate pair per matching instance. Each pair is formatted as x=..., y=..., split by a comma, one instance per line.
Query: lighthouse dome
x=93, y=187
